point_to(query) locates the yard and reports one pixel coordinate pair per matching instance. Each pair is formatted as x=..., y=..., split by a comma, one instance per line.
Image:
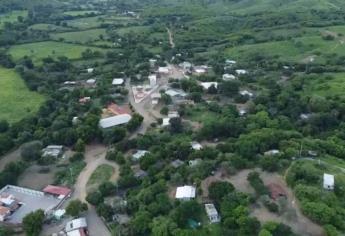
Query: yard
x=38, y=51
x=17, y=101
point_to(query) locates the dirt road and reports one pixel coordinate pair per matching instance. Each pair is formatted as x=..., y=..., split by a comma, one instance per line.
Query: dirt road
x=94, y=157
x=171, y=38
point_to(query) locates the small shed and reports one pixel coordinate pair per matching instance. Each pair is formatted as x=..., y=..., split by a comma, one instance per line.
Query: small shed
x=139, y=154
x=53, y=151
x=57, y=191
x=185, y=192
x=114, y=121
x=212, y=213
x=118, y=81
x=328, y=181
x=196, y=145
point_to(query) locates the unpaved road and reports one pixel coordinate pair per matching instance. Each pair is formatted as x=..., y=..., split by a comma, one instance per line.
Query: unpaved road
x=171, y=38
x=94, y=157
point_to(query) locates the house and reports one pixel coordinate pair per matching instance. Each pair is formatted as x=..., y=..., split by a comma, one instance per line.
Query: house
x=200, y=69
x=58, y=214
x=207, y=85
x=272, y=152
x=139, y=154
x=186, y=65
x=241, y=72
x=196, y=146
x=4, y=213
x=118, y=81
x=139, y=173
x=227, y=77
x=90, y=70
x=246, y=93
x=195, y=162
x=177, y=163
x=276, y=191
x=312, y=153
x=242, y=111
x=152, y=62
x=57, y=191
x=305, y=116
x=69, y=83
x=91, y=81
x=176, y=93
x=166, y=122
x=230, y=62
x=84, y=100
x=153, y=80
x=185, y=193
x=173, y=114
x=121, y=218
x=212, y=213
x=328, y=181
x=52, y=151
x=156, y=96
x=76, y=225
x=163, y=70
x=114, y=121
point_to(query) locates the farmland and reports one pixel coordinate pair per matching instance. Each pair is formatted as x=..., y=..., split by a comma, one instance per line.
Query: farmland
x=11, y=17
x=17, y=101
x=48, y=27
x=40, y=50
x=80, y=36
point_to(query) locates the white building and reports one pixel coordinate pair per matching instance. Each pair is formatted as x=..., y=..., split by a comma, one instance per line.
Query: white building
x=139, y=154
x=272, y=152
x=114, y=121
x=69, y=83
x=328, y=181
x=241, y=72
x=185, y=192
x=186, y=65
x=166, y=122
x=207, y=85
x=212, y=213
x=90, y=70
x=196, y=146
x=152, y=62
x=246, y=93
x=227, y=77
x=163, y=70
x=230, y=62
x=76, y=224
x=175, y=93
x=53, y=151
x=91, y=81
x=173, y=114
x=200, y=70
x=153, y=80
x=118, y=81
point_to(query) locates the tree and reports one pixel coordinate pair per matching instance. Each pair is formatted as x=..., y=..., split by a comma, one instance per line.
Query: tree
x=76, y=207
x=79, y=146
x=140, y=223
x=135, y=122
x=217, y=190
x=230, y=88
x=94, y=198
x=107, y=188
x=33, y=222
x=163, y=226
x=3, y=126
x=176, y=125
x=31, y=151
x=105, y=211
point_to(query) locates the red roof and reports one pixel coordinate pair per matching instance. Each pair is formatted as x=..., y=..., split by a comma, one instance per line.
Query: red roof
x=276, y=191
x=57, y=190
x=118, y=110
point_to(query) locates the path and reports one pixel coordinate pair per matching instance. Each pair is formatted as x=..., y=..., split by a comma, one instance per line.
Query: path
x=94, y=157
x=171, y=38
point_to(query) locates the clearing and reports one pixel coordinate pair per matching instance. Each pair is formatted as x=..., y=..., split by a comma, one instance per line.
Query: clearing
x=38, y=51
x=20, y=101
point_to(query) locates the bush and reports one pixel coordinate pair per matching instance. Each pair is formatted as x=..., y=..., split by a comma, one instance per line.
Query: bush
x=76, y=207
x=33, y=222
x=95, y=198
x=31, y=151
x=78, y=156
x=257, y=183
x=107, y=188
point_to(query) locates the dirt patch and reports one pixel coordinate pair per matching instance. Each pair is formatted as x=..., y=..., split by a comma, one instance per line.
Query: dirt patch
x=9, y=157
x=34, y=178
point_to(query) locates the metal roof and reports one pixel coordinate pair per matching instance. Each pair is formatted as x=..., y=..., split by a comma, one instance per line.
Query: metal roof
x=115, y=120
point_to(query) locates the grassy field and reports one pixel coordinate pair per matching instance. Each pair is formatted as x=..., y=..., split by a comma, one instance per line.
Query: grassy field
x=48, y=27
x=136, y=29
x=87, y=22
x=40, y=50
x=11, y=17
x=101, y=174
x=79, y=13
x=16, y=100
x=331, y=84
x=80, y=36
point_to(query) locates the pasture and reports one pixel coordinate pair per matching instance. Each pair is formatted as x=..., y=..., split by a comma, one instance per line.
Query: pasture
x=17, y=101
x=80, y=36
x=331, y=84
x=87, y=22
x=11, y=17
x=40, y=50
x=79, y=13
x=48, y=27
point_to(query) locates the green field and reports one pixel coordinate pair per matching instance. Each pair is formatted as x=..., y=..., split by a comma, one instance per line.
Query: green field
x=37, y=51
x=101, y=174
x=332, y=84
x=135, y=29
x=80, y=36
x=48, y=27
x=16, y=100
x=87, y=22
x=11, y=17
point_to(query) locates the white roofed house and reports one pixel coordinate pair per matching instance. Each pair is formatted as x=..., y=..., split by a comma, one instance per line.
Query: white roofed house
x=139, y=154
x=185, y=193
x=90, y=70
x=115, y=121
x=227, y=77
x=118, y=81
x=166, y=122
x=207, y=85
x=52, y=151
x=153, y=80
x=212, y=213
x=163, y=70
x=91, y=81
x=328, y=181
x=186, y=65
x=272, y=152
x=241, y=72
x=76, y=227
x=230, y=62
x=200, y=70
x=246, y=93
x=196, y=145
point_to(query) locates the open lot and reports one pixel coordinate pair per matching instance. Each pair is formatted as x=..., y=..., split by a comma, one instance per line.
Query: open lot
x=80, y=36
x=40, y=50
x=16, y=100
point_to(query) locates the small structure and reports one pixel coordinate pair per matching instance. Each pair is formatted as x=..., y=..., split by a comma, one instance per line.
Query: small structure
x=312, y=153
x=152, y=62
x=69, y=83
x=305, y=116
x=166, y=122
x=185, y=193
x=58, y=191
x=228, y=77
x=58, y=214
x=139, y=154
x=173, y=114
x=153, y=80
x=276, y=191
x=328, y=181
x=76, y=226
x=207, y=85
x=114, y=121
x=84, y=100
x=212, y=213
x=163, y=70
x=121, y=219
x=176, y=93
x=52, y=151
x=177, y=163
x=272, y=152
x=118, y=81
x=118, y=110
x=186, y=65
x=241, y=72
x=246, y=93
x=4, y=213
x=195, y=162
x=91, y=81
x=199, y=70
x=90, y=70
x=196, y=145
x=230, y=62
